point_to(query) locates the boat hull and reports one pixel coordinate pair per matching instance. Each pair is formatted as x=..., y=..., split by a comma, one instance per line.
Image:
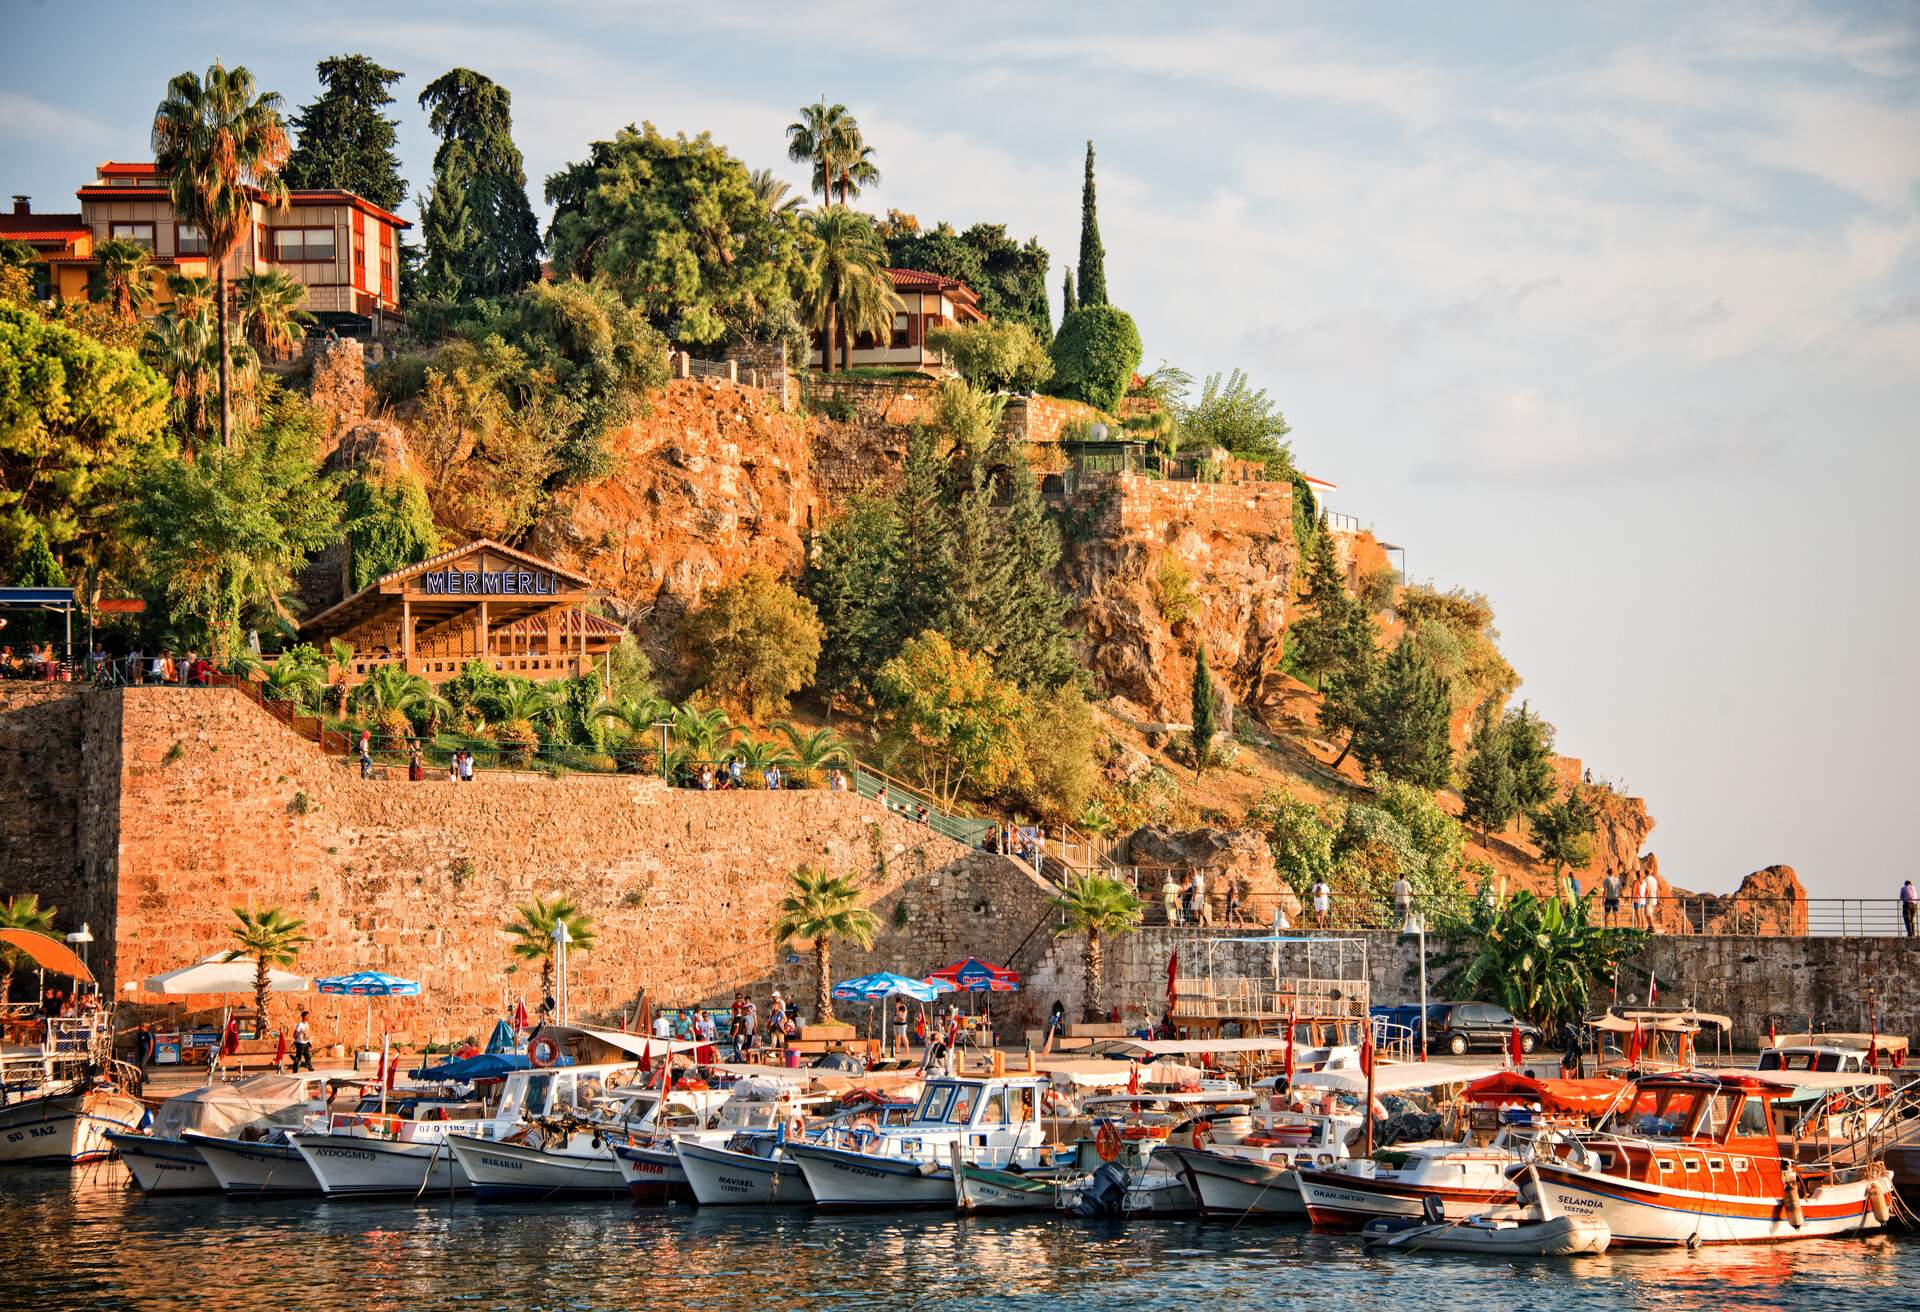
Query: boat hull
x=499, y=1170
x=1562, y=1236
x=653, y=1176
x=1340, y=1201
x=1645, y=1215
x=349, y=1166
x=164, y=1166
x=66, y=1129
x=1224, y=1185
x=845, y=1180
x=243, y=1167
x=723, y=1177
x=983, y=1189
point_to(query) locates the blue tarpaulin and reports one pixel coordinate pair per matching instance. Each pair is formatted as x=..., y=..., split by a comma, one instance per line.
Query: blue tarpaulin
x=487, y=1066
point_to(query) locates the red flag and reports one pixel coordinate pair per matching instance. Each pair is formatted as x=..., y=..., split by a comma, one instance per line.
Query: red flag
x=1873, y=1050
x=1133, y=1079
x=1899, y=1058
x=646, y=1058
x=520, y=1015
x=1772, y=1038
x=1634, y=1045
x=1653, y=989
x=1289, y=1048
x=1514, y=1049
x=1173, y=971
x=1366, y=1051
x=280, y=1051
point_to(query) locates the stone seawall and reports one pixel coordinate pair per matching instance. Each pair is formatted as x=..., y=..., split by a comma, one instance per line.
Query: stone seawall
x=1747, y=978
x=200, y=802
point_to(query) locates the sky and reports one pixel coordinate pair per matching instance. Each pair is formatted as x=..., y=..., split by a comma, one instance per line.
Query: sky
x=1611, y=313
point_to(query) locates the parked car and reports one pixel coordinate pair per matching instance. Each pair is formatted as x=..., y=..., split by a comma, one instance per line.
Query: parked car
x=1459, y=1026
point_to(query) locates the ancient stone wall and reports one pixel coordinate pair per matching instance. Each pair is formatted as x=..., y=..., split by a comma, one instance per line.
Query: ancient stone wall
x=1747, y=978
x=42, y=783
x=219, y=806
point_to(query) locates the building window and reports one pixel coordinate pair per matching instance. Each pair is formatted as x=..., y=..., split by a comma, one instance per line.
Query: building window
x=899, y=342
x=188, y=240
x=301, y=245
x=140, y=234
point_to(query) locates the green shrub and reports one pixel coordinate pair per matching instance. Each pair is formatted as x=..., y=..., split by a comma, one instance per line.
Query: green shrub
x=755, y=643
x=1095, y=355
x=994, y=354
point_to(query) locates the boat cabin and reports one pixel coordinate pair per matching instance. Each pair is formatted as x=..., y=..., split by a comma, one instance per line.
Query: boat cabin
x=988, y=1105
x=1698, y=1133
x=1839, y=1053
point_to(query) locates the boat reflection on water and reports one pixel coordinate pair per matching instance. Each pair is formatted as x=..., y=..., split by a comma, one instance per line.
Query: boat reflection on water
x=94, y=1243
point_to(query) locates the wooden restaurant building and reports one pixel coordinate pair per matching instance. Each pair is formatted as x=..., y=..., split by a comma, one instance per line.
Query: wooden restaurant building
x=481, y=602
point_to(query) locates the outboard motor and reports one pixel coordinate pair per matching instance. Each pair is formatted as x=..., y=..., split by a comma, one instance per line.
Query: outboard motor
x=1106, y=1193
x=1433, y=1210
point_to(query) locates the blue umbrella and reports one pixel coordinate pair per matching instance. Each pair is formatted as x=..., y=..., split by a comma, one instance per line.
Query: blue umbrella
x=501, y=1040
x=872, y=988
x=369, y=984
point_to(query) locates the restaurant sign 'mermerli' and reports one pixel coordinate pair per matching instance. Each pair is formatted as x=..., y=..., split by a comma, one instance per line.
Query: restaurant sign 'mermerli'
x=489, y=583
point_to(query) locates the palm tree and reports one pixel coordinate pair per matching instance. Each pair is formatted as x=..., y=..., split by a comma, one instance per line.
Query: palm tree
x=818, y=137
x=703, y=733
x=757, y=756
x=1535, y=956
x=21, y=911
x=820, y=908
x=123, y=279
x=220, y=147
x=817, y=749
x=511, y=711
x=854, y=169
x=773, y=192
x=184, y=344
x=294, y=682
x=532, y=931
x=270, y=310
x=271, y=938
x=1096, y=905
x=850, y=290
x=339, y=659
x=636, y=717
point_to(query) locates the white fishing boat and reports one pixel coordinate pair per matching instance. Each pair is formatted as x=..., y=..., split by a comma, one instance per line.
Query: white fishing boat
x=1493, y=1236
x=1124, y=1171
x=749, y=1170
x=169, y=1157
x=571, y=1156
x=1251, y=1173
x=995, y=1120
x=62, y=1097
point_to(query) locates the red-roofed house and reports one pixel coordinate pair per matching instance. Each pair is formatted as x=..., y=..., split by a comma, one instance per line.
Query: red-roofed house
x=343, y=247
x=927, y=300
x=52, y=236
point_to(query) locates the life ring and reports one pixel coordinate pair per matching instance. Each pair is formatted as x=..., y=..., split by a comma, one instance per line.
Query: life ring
x=864, y=1126
x=1107, y=1141
x=1202, y=1135
x=796, y=1128
x=543, y=1051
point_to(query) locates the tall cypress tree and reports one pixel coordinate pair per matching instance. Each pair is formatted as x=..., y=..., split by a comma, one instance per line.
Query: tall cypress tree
x=344, y=139
x=1037, y=650
x=1405, y=719
x=1067, y=303
x=1206, y=712
x=1487, y=790
x=1323, y=639
x=1093, y=256
x=921, y=584
x=480, y=232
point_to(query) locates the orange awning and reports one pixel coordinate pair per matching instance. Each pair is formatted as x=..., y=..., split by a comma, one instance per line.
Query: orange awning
x=50, y=953
x=1579, y=1097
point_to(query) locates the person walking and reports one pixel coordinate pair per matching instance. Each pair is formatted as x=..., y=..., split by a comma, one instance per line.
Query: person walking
x=1650, y=896
x=1909, y=906
x=1609, y=898
x=366, y=755
x=1403, y=903
x=1201, y=906
x=1170, y=898
x=1322, y=901
x=302, y=1044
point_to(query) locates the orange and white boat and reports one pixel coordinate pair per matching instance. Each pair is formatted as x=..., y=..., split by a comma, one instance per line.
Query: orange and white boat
x=1692, y=1157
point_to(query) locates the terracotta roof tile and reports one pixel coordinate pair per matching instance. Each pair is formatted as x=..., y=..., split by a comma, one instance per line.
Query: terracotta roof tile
x=41, y=227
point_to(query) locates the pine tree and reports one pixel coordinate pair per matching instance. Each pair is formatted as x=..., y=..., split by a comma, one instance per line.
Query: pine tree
x=480, y=232
x=1206, y=712
x=971, y=609
x=1037, y=650
x=851, y=581
x=1067, y=304
x=1322, y=639
x=344, y=139
x=1093, y=256
x=1529, y=742
x=1563, y=831
x=1404, y=720
x=921, y=583
x=1488, y=788
x=1345, y=691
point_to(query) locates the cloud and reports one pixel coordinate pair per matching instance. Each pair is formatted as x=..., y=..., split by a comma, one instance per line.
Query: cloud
x=25, y=119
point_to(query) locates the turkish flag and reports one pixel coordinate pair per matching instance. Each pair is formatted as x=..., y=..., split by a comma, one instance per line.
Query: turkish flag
x=1772, y=1038
x=1513, y=1045
x=280, y=1051
x=1366, y=1051
x=1173, y=971
x=1634, y=1046
x=520, y=1015
x=1133, y=1079
x=1289, y=1047
x=646, y=1058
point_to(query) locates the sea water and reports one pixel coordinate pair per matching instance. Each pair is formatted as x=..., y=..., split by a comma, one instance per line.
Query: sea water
x=87, y=1241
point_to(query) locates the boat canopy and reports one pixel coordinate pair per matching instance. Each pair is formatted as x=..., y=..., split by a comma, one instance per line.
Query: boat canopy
x=1183, y=1097
x=1817, y=1081
x=222, y=1110
x=1575, y=1097
x=1855, y=1042
x=1194, y=1047
x=1391, y=1077
x=1096, y=1073
x=1661, y=1022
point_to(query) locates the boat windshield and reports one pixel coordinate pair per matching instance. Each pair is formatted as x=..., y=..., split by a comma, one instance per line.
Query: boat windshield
x=1803, y=1061
x=963, y=1103
x=528, y=1095
x=1655, y=1113
x=933, y=1103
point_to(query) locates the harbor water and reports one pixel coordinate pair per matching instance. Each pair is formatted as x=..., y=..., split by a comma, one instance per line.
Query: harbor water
x=87, y=1241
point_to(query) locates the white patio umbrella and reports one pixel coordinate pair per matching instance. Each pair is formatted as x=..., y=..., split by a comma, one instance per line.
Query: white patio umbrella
x=213, y=974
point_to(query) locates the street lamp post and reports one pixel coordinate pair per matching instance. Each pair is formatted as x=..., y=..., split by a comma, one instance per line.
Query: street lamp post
x=561, y=937
x=663, y=726
x=80, y=938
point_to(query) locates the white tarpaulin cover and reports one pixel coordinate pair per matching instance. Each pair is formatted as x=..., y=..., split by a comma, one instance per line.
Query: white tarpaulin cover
x=1194, y=1047
x=1392, y=1077
x=223, y=1110
x=212, y=975
x=1819, y=1080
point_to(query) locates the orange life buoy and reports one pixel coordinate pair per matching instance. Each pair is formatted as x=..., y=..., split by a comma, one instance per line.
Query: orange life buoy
x=1107, y=1141
x=543, y=1051
x=796, y=1128
x=1202, y=1135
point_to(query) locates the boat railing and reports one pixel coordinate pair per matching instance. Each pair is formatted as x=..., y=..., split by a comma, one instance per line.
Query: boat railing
x=1896, y=1124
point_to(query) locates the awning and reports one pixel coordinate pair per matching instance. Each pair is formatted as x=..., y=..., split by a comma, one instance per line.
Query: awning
x=47, y=953
x=1579, y=1097
x=1391, y=1077
x=638, y=1045
x=1183, y=1098
x=1820, y=1081
x=1835, y=1039
x=1659, y=1022
x=215, y=974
